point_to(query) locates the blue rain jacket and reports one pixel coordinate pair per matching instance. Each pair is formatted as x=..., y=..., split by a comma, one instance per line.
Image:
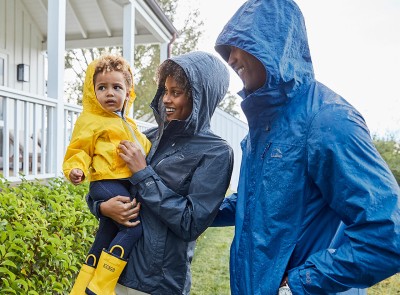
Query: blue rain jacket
x=308, y=164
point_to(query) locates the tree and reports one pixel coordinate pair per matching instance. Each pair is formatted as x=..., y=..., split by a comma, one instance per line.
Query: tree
x=228, y=104
x=390, y=151
x=145, y=72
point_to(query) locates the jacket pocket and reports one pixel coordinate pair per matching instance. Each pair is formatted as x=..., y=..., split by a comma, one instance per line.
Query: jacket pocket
x=145, y=265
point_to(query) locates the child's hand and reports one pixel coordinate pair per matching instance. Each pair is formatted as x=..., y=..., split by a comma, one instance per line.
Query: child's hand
x=76, y=176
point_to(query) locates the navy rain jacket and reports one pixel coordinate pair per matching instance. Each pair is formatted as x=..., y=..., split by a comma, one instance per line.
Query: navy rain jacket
x=185, y=183
x=308, y=164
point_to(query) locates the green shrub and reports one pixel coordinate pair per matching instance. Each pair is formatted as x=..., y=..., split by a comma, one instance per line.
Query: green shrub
x=45, y=233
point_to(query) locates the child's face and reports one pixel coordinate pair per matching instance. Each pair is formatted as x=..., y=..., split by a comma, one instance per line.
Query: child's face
x=111, y=90
x=176, y=101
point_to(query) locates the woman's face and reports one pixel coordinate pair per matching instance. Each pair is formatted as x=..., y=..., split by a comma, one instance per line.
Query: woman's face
x=177, y=104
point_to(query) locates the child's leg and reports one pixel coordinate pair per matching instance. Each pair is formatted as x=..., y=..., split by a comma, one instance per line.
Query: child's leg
x=102, y=190
x=105, y=278
x=108, y=229
x=105, y=234
x=126, y=238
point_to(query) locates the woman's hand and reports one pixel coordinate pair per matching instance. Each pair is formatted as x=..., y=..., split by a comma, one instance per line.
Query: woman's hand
x=132, y=155
x=121, y=210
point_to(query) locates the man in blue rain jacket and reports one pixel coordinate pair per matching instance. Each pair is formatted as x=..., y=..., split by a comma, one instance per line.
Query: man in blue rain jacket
x=309, y=166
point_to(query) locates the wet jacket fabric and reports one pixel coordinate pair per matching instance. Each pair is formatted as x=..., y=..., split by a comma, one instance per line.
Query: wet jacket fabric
x=308, y=164
x=182, y=188
x=97, y=133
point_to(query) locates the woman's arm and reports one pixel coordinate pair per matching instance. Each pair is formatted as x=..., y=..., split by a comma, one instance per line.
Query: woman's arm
x=187, y=216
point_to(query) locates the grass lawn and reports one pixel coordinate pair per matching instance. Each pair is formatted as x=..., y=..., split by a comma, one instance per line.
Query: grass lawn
x=210, y=267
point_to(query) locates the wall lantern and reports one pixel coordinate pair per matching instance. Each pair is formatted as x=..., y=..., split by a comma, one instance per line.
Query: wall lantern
x=23, y=73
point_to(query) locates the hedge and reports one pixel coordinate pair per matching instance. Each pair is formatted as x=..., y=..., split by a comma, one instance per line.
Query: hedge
x=46, y=231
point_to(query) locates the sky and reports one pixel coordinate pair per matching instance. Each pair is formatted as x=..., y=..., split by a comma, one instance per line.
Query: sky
x=355, y=48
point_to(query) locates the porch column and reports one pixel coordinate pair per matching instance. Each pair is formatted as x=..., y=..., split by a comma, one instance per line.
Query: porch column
x=55, y=82
x=163, y=51
x=128, y=39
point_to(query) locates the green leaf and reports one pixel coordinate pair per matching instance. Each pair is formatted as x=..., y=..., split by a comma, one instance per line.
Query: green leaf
x=2, y=250
x=8, y=289
x=8, y=263
x=22, y=283
x=7, y=272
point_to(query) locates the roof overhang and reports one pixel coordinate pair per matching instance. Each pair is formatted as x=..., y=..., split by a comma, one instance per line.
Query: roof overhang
x=99, y=23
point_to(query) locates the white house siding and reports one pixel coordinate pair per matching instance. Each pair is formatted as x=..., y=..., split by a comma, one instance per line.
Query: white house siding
x=233, y=131
x=21, y=42
x=23, y=118
x=2, y=25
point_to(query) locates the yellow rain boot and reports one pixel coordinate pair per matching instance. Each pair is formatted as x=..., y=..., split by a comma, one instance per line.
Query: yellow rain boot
x=84, y=277
x=107, y=273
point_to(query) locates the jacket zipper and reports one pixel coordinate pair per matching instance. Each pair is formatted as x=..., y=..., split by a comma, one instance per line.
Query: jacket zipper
x=265, y=151
x=134, y=136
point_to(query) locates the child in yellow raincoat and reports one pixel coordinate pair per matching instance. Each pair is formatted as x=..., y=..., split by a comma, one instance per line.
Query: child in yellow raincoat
x=93, y=153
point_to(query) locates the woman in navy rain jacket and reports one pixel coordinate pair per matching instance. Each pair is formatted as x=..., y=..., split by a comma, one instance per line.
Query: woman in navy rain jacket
x=188, y=173
x=308, y=164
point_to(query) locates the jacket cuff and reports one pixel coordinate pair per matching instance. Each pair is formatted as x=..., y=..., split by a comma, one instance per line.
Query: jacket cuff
x=294, y=281
x=141, y=175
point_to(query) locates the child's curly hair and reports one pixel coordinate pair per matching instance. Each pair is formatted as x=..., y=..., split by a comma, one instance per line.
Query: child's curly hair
x=109, y=63
x=170, y=68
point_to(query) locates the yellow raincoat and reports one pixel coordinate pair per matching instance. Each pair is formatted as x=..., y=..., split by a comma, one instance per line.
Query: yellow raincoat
x=97, y=133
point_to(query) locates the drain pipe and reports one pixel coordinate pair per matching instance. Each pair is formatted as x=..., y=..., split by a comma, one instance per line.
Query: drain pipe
x=169, y=47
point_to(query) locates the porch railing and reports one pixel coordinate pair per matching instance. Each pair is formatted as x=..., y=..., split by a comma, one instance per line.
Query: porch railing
x=27, y=142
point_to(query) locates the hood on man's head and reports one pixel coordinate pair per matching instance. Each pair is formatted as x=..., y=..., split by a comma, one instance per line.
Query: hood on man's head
x=274, y=32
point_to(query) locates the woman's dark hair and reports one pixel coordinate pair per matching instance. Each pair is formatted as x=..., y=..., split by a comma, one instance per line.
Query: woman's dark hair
x=170, y=68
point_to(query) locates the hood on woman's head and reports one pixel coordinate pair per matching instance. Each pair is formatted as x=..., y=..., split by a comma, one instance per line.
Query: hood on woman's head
x=208, y=78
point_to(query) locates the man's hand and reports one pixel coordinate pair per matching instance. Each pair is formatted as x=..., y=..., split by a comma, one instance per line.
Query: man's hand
x=122, y=210
x=284, y=281
x=76, y=176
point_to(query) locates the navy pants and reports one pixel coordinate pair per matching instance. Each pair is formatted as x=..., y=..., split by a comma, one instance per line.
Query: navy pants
x=111, y=233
